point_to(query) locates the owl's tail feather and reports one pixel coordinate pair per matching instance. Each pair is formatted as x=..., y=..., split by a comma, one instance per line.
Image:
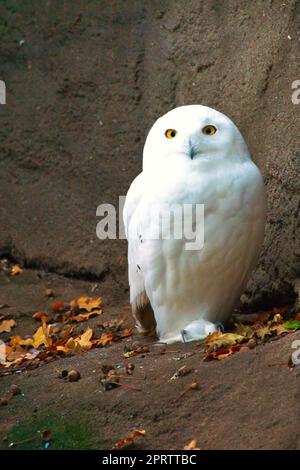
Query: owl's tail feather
x=144, y=317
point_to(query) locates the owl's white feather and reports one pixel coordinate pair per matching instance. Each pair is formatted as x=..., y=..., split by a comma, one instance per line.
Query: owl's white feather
x=190, y=291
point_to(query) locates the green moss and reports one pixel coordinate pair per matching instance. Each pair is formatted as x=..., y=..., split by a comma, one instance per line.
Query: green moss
x=67, y=433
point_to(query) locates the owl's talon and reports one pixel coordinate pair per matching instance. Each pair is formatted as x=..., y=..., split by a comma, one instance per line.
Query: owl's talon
x=220, y=327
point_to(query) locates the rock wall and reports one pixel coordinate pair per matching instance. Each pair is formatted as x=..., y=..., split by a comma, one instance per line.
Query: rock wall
x=86, y=80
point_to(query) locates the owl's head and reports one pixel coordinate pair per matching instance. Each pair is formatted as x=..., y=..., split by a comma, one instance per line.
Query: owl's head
x=196, y=133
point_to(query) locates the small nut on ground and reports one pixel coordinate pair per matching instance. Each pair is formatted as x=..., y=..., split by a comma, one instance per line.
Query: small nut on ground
x=4, y=401
x=49, y=293
x=251, y=343
x=15, y=390
x=73, y=375
x=63, y=374
x=46, y=435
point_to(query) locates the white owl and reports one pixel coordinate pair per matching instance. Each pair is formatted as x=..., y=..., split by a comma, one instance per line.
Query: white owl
x=192, y=155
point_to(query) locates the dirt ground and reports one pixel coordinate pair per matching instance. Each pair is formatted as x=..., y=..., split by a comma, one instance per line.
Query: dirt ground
x=86, y=81
x=249, y=400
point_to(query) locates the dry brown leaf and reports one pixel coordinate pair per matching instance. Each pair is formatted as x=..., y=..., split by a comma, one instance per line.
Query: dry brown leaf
x=58, y=306
x=244, y=330
x=86, y=316
x=270, y=330
x=40, y=316
x=279, y=329
x=15, y=270
x=18, y=356
x=192, y=446
x=221, y=340
x=7, y=325
x=105, y=339
x=181, y=372
x=139, y=350
x=222, y=353
x=128, y=439
x=263, y=317
x=126, y=332
x=276, y=319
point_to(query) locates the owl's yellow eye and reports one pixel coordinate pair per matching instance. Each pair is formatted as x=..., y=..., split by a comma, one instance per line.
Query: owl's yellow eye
x=209, y=130
x=170, y=133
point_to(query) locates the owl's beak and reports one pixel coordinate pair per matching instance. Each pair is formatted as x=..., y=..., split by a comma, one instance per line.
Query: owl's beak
x=192, y=152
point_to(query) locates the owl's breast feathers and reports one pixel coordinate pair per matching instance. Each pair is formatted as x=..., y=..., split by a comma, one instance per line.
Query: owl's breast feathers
x=182, y=285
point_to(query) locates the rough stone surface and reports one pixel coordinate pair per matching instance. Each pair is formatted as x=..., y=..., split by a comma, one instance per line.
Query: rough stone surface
x=85, y=81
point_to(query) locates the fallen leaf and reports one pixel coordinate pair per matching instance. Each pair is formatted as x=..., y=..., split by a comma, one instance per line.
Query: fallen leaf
x=262, y=317
x=105, y=339
x=86, y=316
x=181, y=372
x=15, y=270
x=58, y=306
x=139, y=350
x=219, y=340
x=126, y=332
x=17, y=341
x=292, y=325
x=244, y=330
x=279, y=329
x=41, y=336
x=87, y=303
x=83, y=342
x=192, y=446
x=129, y=439
x=7, y=325
x=40, y=316
x=221, y=353
x=18, y=356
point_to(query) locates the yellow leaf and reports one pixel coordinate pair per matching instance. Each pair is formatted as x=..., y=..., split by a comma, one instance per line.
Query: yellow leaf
x=192, y=446
x=223, y=340
x=75, y=345
x=7, y=325
x=244, y=330
x=87, y=303
x=15, y=270
x=41, y=336
x=265, y=331
x=84, y=339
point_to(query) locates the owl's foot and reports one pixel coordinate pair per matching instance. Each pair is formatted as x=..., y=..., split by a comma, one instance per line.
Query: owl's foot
x=220, y=327
x=194, y=331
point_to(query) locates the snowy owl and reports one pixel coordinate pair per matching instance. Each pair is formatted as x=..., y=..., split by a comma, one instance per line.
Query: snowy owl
x=193, y=155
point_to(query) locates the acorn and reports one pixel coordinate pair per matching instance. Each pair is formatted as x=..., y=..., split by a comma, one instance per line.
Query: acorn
x=194, y=386
x=73, y=375
x=63, y=374
x=49, y=293
x=15, y=390
x=106, y=368
x=251, y=343
x=46, y=435
x=4, y=401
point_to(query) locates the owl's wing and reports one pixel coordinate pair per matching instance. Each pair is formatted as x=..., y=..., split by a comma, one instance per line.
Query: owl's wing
x=141, y=308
